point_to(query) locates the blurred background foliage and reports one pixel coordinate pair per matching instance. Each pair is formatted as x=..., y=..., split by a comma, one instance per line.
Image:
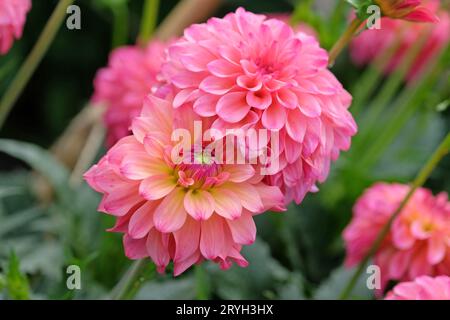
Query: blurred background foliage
x=298, y=254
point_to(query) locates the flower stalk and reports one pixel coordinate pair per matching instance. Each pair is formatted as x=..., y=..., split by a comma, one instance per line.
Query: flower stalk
x=420, y=179
x=32, y=61
x=131, y=281
x=148, y=21
x=344, y=40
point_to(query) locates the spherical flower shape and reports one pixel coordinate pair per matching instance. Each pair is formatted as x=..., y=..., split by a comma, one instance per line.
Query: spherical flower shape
x=373, y=43
x=246, y=71
x=422, y=288
x=412, y=10
x=12, y=19
x=123, y=85
x=419, y=240
x=181, y=211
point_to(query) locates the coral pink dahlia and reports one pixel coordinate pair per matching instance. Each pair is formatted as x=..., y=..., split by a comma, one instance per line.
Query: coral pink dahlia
x=173, y=210
x=246, y=71
x=419, y=240
x=122, y=86
x=12, y=20
x=422, y=288
x=371, y=44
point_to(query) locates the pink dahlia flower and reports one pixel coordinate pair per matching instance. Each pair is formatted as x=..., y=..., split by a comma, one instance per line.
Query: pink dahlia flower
x=246, y=71
x=412, y=10
x=419, y=240
x=12, y=19
x=180, y=211
x=123, y=85
x=370, y=44
x=422, y=288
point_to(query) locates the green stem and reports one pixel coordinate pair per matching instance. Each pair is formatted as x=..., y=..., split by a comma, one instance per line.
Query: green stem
x=148, y=21
x=201, y=282
x=344, y=40
x=404, y=108
x=131, y=281
x=420, y=179
x=34, y=58
x=120, y=27
x=371, y=119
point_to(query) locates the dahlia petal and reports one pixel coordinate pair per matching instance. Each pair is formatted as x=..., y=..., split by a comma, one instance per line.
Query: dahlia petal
x=205, y=106
x=274, y=117
x=239, y=172
x=213, y=240
x=296, y=125
x=287, y=98
x=187, y=239
x=170, y=215
x=223, y=68
x=436, y=250
x=199, y=204
x=227, y=203
x=232, y=107
x=261, y=99
x=309, y=105
x=157, y=187
x=134, y=248
x=157, y=250
x=243, y=230
x=215, y=85
x=249, y=196
x=142, y=220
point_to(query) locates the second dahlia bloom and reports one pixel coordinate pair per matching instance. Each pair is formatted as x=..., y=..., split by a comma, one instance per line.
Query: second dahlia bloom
x=12, y=19
x=181, y=211
x=371, y=44
x=419, y=240
x=122, y=86
x=245, y=71
x=412, y=10
x=422, y=288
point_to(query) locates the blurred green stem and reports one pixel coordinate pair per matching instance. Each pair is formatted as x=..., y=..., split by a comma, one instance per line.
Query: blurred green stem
x=409, y=101
x=201, y=283
x=371, y=119
x=131, y=281
x=344, y=40
x=32, y=61
x=148, y=21
x=420, y=179
x=120, y=28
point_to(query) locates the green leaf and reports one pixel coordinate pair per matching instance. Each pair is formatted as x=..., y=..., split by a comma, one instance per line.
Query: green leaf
x=256, y=281
x=40, y=160
x=168, y=290
x=331, y=288
x=16, y=282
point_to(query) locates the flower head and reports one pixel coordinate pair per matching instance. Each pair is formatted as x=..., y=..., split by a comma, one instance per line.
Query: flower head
x=12, y=20
x=422, y=288
x=246, y=71
x=174, y=205
x=412, y=10
x=122, y=86
x=371, y=44
x=419, y=240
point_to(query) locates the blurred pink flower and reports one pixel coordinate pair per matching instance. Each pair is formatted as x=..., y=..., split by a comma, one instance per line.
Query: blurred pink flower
x=12, y=19
x=246, y=71
x=181, y=211
x=422, y=288
x=122, y=86
x=419, y=240
x=412, y=10
x=370, y=44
